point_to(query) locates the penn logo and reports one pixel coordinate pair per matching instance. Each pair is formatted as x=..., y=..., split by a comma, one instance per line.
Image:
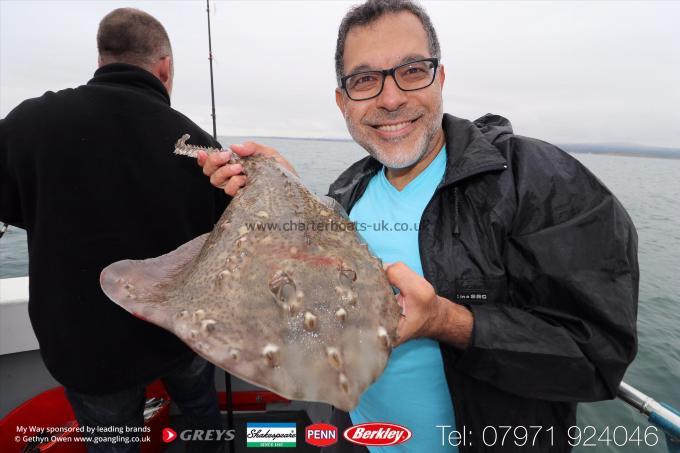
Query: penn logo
x=321, y=434
x=377, y=434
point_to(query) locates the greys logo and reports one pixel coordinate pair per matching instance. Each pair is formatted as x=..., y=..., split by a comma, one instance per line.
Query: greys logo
x=169, y=435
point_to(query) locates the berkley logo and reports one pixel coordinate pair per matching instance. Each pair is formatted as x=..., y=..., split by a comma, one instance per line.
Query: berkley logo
x=377, y=434
x=321, y=434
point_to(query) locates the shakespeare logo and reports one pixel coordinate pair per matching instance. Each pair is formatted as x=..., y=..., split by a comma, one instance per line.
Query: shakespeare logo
x=260, y=435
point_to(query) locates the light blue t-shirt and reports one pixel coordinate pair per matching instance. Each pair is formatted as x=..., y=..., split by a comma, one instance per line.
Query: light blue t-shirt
x=412, y=391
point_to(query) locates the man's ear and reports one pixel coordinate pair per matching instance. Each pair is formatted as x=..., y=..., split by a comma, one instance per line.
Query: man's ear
x=442, y=76
x=340, y=101
x=164, y=69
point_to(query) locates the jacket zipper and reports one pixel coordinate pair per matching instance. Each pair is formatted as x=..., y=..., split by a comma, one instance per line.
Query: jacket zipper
x=456, y=234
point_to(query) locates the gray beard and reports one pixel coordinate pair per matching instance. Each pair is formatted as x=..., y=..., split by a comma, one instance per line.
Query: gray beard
x=403, y=157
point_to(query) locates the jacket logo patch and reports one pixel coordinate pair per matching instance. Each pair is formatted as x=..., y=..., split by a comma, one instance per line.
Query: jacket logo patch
x=472, y=296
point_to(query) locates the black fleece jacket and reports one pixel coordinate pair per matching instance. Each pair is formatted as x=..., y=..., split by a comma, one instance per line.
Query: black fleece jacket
x=90, y=174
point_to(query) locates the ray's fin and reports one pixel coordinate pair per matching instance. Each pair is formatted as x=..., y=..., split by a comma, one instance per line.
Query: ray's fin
x=131, y=284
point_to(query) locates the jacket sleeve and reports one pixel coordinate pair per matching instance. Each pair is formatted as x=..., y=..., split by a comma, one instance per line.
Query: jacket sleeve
x=10, y=206
x=567, y=331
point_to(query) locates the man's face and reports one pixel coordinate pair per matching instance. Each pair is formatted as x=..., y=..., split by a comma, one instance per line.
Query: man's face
x=397, y=127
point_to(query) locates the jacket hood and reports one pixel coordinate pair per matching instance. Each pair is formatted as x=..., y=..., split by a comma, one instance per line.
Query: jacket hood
x=471, y=150
x=493, y=126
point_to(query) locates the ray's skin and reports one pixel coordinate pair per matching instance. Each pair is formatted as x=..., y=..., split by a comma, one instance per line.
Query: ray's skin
x=282, y=293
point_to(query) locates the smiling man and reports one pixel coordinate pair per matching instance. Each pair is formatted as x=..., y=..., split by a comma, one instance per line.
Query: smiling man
x=518, y=273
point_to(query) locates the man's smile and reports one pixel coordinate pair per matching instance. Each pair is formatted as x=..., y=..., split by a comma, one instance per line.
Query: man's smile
x=395, y=129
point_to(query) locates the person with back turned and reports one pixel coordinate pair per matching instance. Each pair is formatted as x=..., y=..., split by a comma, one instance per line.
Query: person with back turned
x=518, y=283
x=73, y=174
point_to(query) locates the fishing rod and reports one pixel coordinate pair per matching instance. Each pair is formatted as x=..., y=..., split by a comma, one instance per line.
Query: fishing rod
x=212, y=83
x=227, y=377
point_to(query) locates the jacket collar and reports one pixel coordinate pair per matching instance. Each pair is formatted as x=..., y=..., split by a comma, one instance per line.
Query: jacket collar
x=470, y=151
x=131, y=76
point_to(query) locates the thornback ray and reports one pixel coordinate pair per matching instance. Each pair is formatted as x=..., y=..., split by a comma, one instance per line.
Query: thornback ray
x=282, y=293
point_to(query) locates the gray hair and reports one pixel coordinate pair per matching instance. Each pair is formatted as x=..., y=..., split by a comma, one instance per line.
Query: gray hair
x=372, y=10
x=129, y=35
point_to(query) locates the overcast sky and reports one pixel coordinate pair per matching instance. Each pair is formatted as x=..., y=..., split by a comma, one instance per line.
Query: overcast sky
x=564, y=72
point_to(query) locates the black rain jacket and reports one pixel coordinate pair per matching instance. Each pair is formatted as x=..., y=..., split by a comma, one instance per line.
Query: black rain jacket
x=545, y=257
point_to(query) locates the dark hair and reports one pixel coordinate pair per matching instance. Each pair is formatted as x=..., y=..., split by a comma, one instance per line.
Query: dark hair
x=128, y=35
x=372, y=10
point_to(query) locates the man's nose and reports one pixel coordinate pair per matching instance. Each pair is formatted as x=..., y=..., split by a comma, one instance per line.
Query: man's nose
x=391, y=97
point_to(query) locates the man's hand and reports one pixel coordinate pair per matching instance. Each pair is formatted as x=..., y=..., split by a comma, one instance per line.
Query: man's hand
x=426, y=315
x=230, y=177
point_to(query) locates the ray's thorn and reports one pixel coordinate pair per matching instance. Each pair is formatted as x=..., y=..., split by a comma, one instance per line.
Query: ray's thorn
x=271, y=354
x=208, y=325
x=341, y=315
x=198, y=314
x=310, y=321
x=383, y=337
x=343, y=382
x=240, y=242
x=334, y=357
x=203, y=347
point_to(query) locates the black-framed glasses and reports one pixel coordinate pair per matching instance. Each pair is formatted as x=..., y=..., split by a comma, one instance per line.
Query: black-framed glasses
x=411, y=76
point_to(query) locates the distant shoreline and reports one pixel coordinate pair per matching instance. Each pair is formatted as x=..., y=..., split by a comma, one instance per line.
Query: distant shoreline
x=628, y=154
x=625, y=150
x=276, y=137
